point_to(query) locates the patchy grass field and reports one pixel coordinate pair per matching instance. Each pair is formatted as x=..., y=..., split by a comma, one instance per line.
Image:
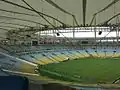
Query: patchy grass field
x=84, y=70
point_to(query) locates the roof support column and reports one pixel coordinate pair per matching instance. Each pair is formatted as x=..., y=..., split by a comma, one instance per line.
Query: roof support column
x=84, y=11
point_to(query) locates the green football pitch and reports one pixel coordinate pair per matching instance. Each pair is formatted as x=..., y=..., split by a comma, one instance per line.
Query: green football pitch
x=84, y=70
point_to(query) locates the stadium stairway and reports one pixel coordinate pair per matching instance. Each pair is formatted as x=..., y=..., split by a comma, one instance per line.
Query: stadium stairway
x=61, y=56
x=68, y=55
x=35, y=56
x=43, y=58
x=93, y=52
x=117, y=54
x=80, y=54
x=55, y=60
x=72, y=53
x=29, y=58
x=101, y=52
x=110, y=52
x=56, y=57
x=86, y=53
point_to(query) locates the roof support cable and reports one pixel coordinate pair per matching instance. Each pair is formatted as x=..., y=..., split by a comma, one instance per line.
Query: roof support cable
x=94, y=16
x=9, y=26
x=107, y=21
x=47, y=21
x=109, y=5
x=14, y=4
x=37, y=13
x=4, y=29
x=21, y=13
x=9, y=23
x=116, y=29
x=31, y=10
x=61, y=9
x=23, y=20
x=2, y=38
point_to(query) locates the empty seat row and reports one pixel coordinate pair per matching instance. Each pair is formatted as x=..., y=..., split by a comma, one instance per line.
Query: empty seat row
x=61, y=55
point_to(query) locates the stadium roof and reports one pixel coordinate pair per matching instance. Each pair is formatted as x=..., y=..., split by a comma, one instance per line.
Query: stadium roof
x=20, y=13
